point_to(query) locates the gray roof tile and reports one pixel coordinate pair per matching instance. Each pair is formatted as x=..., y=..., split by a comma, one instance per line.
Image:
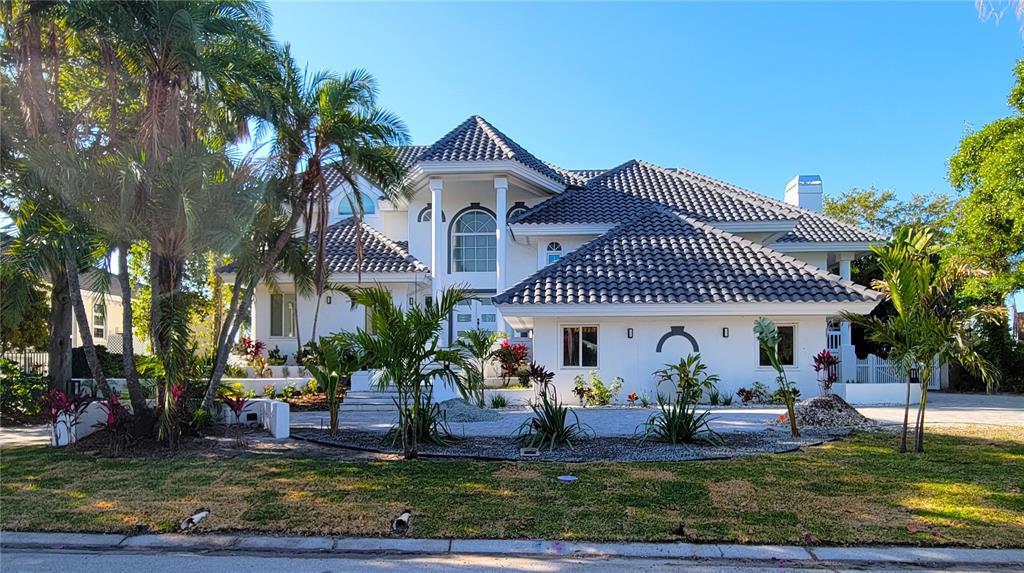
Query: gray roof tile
x=380, y=254
x=477, y=140
x=662, y=257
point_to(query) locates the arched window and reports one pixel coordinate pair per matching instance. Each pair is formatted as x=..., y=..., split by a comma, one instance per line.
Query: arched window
x=554, y=252
x=516, y=209
x=474, y=243
x=426, y=215
x=347, y=202
x=99, y=320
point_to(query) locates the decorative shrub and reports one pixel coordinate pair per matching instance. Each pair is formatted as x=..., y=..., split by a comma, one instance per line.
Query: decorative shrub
x=276, y=358
x=20, y=393
x=582, y=390
x=269, y=391
x=601, y=394
x=826, y=365
x=116, y=426
x=756, y=394
x=498, y=401
x=550, y=426
x=511, y=357
x=690, y=376
x=289, y=391
x=768, y=339
x=251, y=351
x=312, y=387
x=780, y=396
x=632, y=398
x=677, y=422
x=540, y=377
x=64, y=409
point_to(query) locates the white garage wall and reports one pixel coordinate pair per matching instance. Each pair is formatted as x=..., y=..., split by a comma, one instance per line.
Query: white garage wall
x=734, y=359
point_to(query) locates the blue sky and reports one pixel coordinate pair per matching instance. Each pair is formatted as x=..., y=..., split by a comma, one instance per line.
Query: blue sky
x=860, y=93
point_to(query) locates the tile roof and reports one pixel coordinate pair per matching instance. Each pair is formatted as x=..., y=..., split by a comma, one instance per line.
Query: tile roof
x=380, y=254
x=477, y=140
x=663, y=257
x=635, y=185
x=576, y=177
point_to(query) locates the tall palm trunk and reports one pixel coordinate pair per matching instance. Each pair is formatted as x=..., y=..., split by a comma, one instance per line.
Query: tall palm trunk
x=921, y=407
x=75, y=292
x=165, y=281
x=906, y=420
x=136, y=394
x=59, y=345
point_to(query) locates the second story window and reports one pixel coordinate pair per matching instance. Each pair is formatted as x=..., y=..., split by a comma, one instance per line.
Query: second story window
x=99, y=320
x=474, y=243
x=347, y=205
x=554, y=252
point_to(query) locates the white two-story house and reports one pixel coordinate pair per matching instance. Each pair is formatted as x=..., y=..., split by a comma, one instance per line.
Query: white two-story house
x=619, y=270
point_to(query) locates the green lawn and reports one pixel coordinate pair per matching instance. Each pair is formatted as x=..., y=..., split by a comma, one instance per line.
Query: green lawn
x=968, y=489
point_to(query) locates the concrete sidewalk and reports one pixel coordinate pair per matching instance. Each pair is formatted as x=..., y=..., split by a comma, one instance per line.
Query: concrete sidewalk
x=342, y=546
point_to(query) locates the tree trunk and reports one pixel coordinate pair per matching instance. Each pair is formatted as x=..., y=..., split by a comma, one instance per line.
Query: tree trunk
x=793, y=429
x=165, y=281
x=906, y=421
x=136, y=394
x=919, y=431
x=75, y=292
x=59, y=346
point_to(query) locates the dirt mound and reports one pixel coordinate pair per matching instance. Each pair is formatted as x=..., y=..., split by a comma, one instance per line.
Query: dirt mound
x=828, y=412
x=458, y=410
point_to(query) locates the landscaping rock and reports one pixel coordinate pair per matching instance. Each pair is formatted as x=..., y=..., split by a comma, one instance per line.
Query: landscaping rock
x=828, y=412
x=458, y=410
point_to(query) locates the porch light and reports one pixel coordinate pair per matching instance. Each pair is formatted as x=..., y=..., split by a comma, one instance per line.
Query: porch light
x=328, y=299
x=914, y=375
x=629, y=333
x=725, y=332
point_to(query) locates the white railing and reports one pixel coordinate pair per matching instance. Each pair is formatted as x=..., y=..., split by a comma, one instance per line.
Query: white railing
x=833, y=339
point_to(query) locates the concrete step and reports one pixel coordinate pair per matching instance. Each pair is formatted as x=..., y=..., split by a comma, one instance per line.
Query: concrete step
x=369, y=402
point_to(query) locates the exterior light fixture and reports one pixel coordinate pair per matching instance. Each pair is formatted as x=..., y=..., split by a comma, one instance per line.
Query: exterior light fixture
x=725, y=332
x=629, y=333
x=328, y=299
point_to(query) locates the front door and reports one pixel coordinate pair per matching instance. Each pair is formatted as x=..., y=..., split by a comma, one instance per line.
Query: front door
x=474, y=314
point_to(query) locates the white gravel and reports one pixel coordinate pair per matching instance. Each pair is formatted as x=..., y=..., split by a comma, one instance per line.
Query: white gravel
x=460, y=411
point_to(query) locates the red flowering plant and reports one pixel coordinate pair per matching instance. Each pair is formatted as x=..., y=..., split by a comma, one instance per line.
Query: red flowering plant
x=64, y=410
x=511, y=357
x=116, y=425
x=251, y=351
x=632, y=398
x=236, y=402
x=826, y=365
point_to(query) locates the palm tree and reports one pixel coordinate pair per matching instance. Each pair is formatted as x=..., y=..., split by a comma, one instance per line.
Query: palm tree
x=929, y=323
x=477, y=346
x=320, y=123
x=336, y=359
x=405, y=345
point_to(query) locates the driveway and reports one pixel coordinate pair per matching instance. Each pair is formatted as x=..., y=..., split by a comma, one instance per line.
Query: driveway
x=1000, y=409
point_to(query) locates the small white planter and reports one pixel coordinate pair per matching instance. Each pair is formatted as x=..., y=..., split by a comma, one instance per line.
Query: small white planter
x=272, y=415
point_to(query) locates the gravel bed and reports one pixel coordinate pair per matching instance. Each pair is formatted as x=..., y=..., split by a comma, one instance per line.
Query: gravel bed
x=586, y=450
x=458, y=410
x=829, y=412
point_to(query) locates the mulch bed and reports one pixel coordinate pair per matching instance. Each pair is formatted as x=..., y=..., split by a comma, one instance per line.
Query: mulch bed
x=307, y=403
x=586, y=450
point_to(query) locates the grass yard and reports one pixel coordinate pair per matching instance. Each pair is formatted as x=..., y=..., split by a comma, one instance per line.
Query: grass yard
x=968, y=489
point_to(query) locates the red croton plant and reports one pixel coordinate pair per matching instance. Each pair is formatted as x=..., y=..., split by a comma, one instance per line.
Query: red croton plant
x=511, y=357
x=826, y=365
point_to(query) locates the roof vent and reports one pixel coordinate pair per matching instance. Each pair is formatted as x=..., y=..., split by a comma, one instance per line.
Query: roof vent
x=804, y=191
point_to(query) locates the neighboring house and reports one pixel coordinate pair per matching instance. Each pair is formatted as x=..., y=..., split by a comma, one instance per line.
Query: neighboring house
x=101, y=296
x=619, y=270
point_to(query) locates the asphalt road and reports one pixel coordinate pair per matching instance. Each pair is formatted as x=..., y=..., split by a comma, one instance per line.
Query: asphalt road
x=34, y=561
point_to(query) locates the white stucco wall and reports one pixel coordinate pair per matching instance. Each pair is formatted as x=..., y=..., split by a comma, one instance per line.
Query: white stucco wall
x=734, y=359
x=818, y=259
x=337, y=316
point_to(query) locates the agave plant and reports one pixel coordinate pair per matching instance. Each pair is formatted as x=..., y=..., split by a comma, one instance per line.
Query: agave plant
x=550, y=426
x=677, y=422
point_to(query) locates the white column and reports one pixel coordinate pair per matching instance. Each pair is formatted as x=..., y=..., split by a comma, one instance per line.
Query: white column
x=500, y=209
x=847, y=354
x=437, y=259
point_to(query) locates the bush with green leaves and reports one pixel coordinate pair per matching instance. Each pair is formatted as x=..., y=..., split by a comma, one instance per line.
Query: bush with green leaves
x=756, y=394
x=498, y=401
x=269, y=391
x=20, y=393
x=550, y=425
x=690, y=376
x=276, y=358
x=677, y=422
x=312, y=387
x=602, y=394
x=337, y=358
x=290, y=391
x=477, y=347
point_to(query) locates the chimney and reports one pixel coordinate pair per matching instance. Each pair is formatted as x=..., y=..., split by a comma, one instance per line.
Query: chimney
x=804, y=191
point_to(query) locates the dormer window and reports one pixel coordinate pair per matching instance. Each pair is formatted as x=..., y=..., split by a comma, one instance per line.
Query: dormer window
x=347, y=205
x=553, y=251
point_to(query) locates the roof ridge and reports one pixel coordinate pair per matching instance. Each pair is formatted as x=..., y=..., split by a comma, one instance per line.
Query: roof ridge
x=496, y=136
x=727, y=188
x=813, y=269
x=614, y=170
x=754, y=195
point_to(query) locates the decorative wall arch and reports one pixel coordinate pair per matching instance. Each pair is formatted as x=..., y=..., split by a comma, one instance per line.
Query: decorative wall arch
x=515, y=209
x=678, y=331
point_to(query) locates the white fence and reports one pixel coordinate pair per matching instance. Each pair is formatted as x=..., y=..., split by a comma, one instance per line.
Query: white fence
x=875, y=369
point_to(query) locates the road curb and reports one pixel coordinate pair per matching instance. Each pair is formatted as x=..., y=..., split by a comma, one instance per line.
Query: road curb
x=508, y=547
